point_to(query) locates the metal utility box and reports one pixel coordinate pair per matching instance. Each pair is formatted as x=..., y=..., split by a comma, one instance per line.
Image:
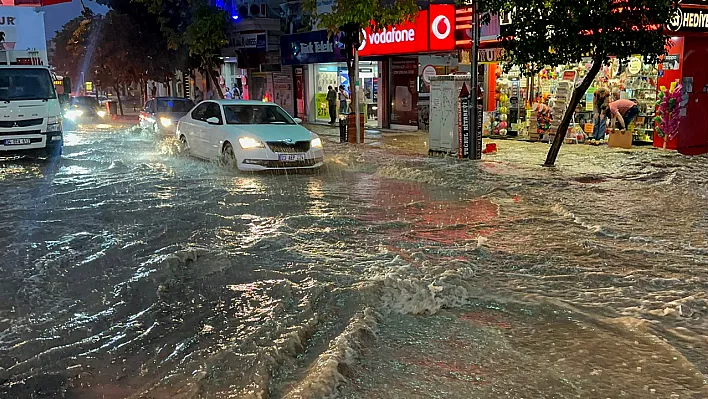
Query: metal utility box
x=444, y=112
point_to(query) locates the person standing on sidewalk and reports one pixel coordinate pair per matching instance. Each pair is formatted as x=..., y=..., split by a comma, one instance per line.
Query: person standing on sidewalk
x=601, y=102
x=343, y=98
x=198, y=95
x=332, y=103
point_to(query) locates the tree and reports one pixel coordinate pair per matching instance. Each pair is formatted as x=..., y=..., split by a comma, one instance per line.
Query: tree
x=205, y=38
x=64, y=59
x=349, y=17
x=560, y=32
x=157, y=58
x=194, y=30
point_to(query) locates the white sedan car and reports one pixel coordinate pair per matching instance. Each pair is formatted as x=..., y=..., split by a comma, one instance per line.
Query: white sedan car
x=251, y=135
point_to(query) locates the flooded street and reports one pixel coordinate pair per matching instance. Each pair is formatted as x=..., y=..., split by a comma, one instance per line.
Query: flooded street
x=128, y=270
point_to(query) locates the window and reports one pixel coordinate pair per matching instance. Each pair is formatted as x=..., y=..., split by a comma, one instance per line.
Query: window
x=256, y=115
x=174, y=105
x=26, y=84
x=214, y=111
x=199, y=113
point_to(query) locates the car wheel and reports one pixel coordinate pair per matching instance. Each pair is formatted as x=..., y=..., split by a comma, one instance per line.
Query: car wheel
x=228, y=158
x=53, y=152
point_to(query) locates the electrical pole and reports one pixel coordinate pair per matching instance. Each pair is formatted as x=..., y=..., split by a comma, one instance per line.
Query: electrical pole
x=474, y=82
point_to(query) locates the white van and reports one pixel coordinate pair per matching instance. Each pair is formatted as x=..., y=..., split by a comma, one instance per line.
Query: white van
x=30, y=112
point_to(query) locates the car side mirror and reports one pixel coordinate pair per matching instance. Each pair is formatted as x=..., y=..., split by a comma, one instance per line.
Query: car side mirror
x=213, y=121
x=297, y=120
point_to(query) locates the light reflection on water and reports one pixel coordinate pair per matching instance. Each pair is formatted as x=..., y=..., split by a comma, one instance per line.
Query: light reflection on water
x=158, y=274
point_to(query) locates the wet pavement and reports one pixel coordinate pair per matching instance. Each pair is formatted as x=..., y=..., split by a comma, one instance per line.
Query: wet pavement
x=129, y=270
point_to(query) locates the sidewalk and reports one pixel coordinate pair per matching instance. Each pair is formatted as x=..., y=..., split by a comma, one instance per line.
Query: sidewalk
x=409, y=142
x=508, y=149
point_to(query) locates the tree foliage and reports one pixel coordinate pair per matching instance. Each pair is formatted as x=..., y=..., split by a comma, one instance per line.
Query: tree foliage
x=196, y=31
x=64, y=58
x=561, y=32
x=205, y=37
x=364, y=13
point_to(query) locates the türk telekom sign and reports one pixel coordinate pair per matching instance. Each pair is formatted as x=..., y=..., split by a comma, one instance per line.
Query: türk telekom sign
x=432, y=30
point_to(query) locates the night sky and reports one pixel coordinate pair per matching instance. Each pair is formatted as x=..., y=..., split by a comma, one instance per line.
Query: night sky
x=56, y=16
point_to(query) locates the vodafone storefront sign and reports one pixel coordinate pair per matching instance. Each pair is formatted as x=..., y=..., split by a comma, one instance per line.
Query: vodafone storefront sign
x=392, y=36
x=432, y=30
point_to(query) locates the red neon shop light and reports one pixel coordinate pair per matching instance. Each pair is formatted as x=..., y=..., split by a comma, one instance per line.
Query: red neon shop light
x=432, y=30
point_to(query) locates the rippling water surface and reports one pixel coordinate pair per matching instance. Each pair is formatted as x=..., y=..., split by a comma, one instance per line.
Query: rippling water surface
x=127, y=270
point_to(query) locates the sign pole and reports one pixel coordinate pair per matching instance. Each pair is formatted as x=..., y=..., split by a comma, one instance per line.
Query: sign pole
x=474, y=80
x=355, y=95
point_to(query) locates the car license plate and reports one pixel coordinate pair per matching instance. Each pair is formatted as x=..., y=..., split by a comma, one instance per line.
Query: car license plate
x=17, y=141
x=291, y=157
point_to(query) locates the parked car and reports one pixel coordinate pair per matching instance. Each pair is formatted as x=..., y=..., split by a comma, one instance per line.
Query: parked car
x=250, y=135
x=84, y=109
x=162, y=113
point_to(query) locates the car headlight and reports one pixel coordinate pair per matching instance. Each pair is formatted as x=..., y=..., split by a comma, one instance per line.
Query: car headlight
x=166, y=122
x=316, y=143
x=54, y=124
x=248, y=143
x=101, y=114
x=74, y=114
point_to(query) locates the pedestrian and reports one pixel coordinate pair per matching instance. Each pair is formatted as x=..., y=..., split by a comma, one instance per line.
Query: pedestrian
x=332, y=103
x=601, y=103
x=228, y=95
x=343, y=98
x=236, y=93
x=198, y=95
x=616, y=94
x=623, y=113
x=153, y=90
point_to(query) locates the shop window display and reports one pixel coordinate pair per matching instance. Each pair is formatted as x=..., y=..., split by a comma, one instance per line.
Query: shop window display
x=525, y=106
x=335, y=75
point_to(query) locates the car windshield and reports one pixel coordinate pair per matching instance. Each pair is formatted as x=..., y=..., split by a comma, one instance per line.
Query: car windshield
x=174, y=105
x=246, y=114
x=26, y=84
x=85, y=102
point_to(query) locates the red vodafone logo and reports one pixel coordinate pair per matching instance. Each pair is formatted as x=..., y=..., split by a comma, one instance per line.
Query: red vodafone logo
x=442, y=27
x=432, y=30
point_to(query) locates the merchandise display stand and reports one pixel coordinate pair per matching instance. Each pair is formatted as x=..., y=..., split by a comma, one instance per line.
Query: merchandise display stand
x=560, y=106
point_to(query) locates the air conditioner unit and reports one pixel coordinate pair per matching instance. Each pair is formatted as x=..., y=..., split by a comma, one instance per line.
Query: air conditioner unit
x=257, y=9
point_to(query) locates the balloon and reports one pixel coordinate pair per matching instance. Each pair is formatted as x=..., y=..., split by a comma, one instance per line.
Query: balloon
x=504, y=117
x=503, y=125
x=503, y=132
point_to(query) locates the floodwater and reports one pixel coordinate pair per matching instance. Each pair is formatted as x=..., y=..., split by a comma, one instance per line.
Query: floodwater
x=128, y=270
